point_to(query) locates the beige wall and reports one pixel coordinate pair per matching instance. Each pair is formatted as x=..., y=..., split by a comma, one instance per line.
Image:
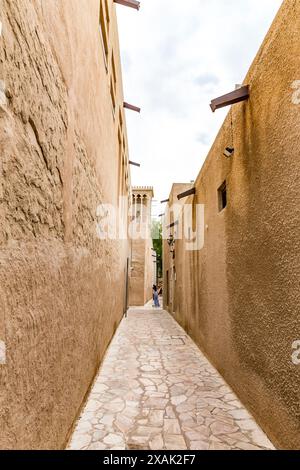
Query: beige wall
x=140, y=281
x=142, y=267
x=170, y=264
x=239, y=296
x=60, y=159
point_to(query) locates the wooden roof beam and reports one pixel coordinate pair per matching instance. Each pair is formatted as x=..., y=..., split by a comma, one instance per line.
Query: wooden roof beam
x=129, y=3
x=241, y=94
x=186, y=193
x=134, y=164
x=173, y=224
x=131, y=107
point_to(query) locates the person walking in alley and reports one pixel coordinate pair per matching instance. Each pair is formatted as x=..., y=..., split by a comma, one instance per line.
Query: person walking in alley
x=155, y=297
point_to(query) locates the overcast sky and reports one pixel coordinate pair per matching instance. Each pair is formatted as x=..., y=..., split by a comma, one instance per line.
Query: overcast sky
x=177, y=55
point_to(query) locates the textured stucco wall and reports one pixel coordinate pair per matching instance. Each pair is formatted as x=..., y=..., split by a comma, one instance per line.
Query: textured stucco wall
x=172, y=216
x=142, y=268
x=239, y=296
x=141, y=275
x=59, y=161
x=137, y=274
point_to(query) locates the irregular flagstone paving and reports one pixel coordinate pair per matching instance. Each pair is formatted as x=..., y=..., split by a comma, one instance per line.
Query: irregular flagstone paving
x=156, y=391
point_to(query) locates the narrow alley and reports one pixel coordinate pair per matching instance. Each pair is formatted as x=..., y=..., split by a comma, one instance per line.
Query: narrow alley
x=149, y=228
x=156, y=391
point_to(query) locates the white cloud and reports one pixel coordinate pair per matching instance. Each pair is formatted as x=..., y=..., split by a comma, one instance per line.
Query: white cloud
x=176, y=57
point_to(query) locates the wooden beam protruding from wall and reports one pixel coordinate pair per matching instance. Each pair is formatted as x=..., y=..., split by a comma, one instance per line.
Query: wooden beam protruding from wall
x=173, y=224
x=241, y=94
x=131, y=107
x=129, y=3
x=134, y=164
x=186, y=193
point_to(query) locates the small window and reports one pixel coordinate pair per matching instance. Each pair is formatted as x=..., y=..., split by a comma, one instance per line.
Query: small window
x=121, y=118
x=168, y=288
x=123, y=177
x=107, y=14
x=113, y=83
x=113, y=70
x=104, y=24
x=222, y=195
x=112, y=94
x=120, y=176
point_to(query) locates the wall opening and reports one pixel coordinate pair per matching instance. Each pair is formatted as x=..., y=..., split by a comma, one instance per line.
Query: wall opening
x=174, y=296
x=222, y=196
x=168, y=288
x=104, y=24
x=113, y=72
x=113, y=96
x=119, y=163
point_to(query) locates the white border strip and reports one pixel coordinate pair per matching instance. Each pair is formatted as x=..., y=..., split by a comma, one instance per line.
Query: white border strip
x=2, y=93
x=2, y=353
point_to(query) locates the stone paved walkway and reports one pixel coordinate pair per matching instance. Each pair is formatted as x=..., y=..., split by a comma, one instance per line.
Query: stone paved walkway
x=157, y=391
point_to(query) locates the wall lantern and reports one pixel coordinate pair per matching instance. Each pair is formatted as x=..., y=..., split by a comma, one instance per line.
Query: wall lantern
x=240, y=94
x=131, y=107
x=129, y=3
x=228, y=152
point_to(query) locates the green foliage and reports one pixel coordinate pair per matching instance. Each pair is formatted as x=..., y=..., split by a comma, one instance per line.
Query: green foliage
x=156, y=230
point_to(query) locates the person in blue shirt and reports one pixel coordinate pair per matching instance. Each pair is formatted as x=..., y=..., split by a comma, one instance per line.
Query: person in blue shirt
x=155, y=297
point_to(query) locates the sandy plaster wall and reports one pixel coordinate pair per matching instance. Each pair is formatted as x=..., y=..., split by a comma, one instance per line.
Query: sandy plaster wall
x=59, y=161
x=239, y=296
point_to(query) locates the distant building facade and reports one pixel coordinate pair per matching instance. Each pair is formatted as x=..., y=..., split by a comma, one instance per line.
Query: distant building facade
x=143, y=258
x=170, y=236
x=64, y=157
x=238, y=295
